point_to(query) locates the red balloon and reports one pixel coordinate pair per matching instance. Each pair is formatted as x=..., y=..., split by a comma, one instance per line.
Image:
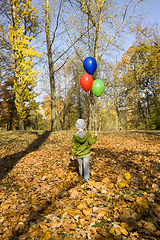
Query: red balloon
x=86, y=82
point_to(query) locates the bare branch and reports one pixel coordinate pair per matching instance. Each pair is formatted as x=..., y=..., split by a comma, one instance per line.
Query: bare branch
x=120, y=28
x=61, y=66
x=88, y=12
x=71, y=45
x=126, y=10
x=71, y=40
x=57, y=22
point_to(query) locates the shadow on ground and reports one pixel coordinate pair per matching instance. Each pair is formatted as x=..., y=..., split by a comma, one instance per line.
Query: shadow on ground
x=128, y=160
x=8, y=162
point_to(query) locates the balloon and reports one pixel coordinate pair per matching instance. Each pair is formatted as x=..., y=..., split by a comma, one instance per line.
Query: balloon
x=97, y=87
x=86, y=82
x=90, y=65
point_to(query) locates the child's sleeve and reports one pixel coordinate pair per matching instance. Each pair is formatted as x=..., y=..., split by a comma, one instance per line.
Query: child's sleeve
x=92, y=140
x=74, y=147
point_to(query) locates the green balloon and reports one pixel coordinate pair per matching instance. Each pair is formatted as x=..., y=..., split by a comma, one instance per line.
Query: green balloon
x=97, y=87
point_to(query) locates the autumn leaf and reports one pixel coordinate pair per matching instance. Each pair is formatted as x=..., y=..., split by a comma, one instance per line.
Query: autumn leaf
x=47, y=236
x=150, y=227
x=73, y=193
x=82, y=205
x=106, y=179
x=123, y=184
x=112, y=230
x=87, y=211
x=127, y=176
x=123, y=231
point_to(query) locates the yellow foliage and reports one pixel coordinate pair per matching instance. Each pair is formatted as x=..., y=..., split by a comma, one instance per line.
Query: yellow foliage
x=139, y=200
x=89, y=200
x=25, y=75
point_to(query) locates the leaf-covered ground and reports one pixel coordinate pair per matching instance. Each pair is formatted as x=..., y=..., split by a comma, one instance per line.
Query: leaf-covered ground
x=43, y=197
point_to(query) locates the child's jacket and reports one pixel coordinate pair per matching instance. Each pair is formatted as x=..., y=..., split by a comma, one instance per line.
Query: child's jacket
x=81, y=144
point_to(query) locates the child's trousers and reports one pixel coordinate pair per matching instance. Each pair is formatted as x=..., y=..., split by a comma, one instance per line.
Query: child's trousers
x=83, y=165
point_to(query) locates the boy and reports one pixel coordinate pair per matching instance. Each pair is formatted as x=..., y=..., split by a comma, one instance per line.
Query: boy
x=81, y=146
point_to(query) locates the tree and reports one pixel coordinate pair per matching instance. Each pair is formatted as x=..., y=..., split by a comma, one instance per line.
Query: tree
x=7, y=107
x=141, y=83
x=23, y=26
x=115, y=92
x=51, y=60
x=50, y=63
x=102, y=15
x=37, y=121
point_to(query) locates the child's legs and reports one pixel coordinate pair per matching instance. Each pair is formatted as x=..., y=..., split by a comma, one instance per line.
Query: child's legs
x=80, y=166
x=86, y=167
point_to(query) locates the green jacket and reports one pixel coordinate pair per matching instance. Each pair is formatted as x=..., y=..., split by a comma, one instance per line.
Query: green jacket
x=81, y=146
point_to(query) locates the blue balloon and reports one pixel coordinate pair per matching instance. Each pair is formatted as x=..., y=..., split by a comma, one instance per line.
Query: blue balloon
x=90, y=65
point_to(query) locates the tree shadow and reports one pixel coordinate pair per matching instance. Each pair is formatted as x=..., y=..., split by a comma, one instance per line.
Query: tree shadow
x=8, y=162
x=50, y=205
x=128, y=160
x=34, y=215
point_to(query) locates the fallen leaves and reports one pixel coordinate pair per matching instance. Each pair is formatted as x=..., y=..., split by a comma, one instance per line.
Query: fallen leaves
x=42, y=197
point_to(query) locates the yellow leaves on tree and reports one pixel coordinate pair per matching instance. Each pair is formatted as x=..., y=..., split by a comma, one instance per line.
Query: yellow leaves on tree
x=21, y=35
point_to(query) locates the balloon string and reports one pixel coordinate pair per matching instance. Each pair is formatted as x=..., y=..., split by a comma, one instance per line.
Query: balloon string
x=96, y=123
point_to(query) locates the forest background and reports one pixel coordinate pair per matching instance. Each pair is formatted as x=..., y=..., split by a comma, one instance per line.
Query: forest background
x=43, y=46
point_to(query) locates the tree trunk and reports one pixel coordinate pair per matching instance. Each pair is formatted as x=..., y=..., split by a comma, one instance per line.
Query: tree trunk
x=142, y=115
x=21, y=124
x=18, y=99
x=12, y=115
x=96, y=51
x=51, y=69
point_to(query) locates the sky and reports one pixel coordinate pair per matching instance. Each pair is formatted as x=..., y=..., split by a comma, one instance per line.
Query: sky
x=152, y=17
x=154, y=8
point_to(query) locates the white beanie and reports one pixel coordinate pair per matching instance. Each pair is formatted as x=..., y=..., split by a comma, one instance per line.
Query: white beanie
x=80, y=124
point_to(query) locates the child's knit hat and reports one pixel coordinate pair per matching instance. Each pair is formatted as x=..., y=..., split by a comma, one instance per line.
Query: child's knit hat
x=80, y=124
